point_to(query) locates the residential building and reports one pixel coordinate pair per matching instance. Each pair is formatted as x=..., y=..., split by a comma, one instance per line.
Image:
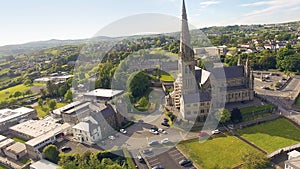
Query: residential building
x=16, y=151
x=98, y=125
x=9, y=117
x=43, y=164
x=293, y=161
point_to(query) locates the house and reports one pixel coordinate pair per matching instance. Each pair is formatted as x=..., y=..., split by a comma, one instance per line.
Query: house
x=9, y=117
x=16, y=151
x=98, y=125
x=4, y=144
x=293, y=161
x=43, y=164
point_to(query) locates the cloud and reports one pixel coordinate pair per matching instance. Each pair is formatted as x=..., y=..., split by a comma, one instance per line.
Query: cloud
x=272, y=7
x=205, y=4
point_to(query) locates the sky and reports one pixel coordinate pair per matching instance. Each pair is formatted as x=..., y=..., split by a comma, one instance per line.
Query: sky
x=35, y=20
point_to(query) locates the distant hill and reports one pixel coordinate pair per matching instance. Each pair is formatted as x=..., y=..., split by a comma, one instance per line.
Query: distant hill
x=33, y=46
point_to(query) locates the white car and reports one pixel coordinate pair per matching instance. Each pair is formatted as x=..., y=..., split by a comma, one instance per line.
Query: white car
x=153, y=132
x=217, y=131
x=111, y=137
x=123, y=131
x=164, y=141
x=162, y=131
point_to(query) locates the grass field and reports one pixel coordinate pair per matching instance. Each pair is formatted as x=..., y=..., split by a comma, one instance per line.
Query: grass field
x=221, y=151
x=272, y=135
x=3, y=167
x=166, y=77
x=250, y=109
x=4, y=94
x=297, y=101
x=18, y=140
x=44, y=111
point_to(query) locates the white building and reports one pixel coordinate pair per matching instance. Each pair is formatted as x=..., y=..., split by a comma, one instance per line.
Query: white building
x=293, y=161
x=9, y=117
x=43, y=164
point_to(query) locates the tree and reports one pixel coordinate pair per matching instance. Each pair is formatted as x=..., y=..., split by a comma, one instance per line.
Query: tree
x=138, y=84
x=51, y=153
x=69, y=95
x=254, y=160
x=28, y=92
x=17, y=94
x=236, y=115
x=27, y=82
x=40, y=102
x=52, y=104
x=222, y=115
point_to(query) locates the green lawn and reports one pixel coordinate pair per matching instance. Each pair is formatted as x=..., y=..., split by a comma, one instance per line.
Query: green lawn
x=166, y=77
x=44, y=111
x=272, y=135
x=250, y=109
x=3, y=167
x=222, y=151
x=297, y=101
x=18, y=140
x=4, y=94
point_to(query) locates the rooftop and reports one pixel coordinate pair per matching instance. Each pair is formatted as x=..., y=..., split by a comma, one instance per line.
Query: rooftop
x=67, y=107
x=8, y=114
x=2, y=138
x=294, y=153
x=104, y=93
x=16, y=148
x=6, y=142
x=35, y=128
x=44, y=164
x=294, y=162
x=41, y=138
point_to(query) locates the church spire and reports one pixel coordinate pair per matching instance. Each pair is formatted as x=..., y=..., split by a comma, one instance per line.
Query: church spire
x=185, y=33
x=184, y=16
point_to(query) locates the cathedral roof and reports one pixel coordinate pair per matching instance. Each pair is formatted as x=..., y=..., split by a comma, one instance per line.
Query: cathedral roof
x=229, y=72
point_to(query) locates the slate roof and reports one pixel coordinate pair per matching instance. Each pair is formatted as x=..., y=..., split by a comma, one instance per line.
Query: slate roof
x=86, y=126
x=229, y=72
x=196, y=97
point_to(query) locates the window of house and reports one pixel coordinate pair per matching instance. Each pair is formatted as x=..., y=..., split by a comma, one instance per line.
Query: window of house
x=202, y=111
x=195, y=105
x=195, y=112
x=188, y=113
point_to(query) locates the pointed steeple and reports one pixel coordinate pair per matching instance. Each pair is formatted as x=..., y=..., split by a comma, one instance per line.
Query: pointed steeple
x=184, y=16
x=185, y=33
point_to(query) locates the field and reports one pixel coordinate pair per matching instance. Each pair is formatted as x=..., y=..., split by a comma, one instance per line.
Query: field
x=44, y=111
x=18, y=140
x=224, y=151
x=273, y=135
x=4, y=94
x=297, y=101
x=3, y=167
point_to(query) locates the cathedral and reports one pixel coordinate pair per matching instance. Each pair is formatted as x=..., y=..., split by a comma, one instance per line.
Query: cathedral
x=197, y=90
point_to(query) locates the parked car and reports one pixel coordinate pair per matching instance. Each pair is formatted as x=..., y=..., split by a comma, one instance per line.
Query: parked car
x=217, y=131
x=166, y=120
x=158, y=167
x=140, y=158
x=162, y=131
x=165, y=124
x=147, y=151
x=123, y=131
x=265, y=87
x=153, y=131
x=164, y=141
x=65, y=149
x=152, y=143
x=154, y=128
x=184, y=162
x=111, y=137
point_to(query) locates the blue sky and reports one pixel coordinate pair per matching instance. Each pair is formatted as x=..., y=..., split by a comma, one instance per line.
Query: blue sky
x=34, y=20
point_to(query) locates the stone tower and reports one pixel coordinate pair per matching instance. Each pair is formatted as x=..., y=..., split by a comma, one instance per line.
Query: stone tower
x=185, y=82
x=186, y=62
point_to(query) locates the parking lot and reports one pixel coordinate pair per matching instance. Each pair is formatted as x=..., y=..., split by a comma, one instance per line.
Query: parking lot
x=169, y=159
